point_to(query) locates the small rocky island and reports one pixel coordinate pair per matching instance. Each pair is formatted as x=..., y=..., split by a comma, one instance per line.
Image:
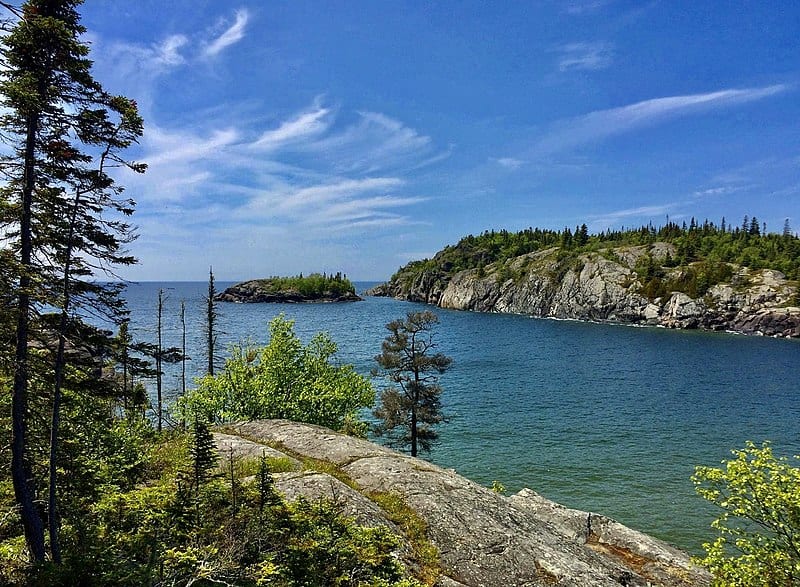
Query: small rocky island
x=312, y=288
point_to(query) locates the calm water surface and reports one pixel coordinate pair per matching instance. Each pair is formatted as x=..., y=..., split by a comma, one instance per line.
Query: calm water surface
x=605, y=418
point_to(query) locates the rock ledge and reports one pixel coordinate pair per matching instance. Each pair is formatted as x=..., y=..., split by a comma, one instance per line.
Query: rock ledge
x=484, y=539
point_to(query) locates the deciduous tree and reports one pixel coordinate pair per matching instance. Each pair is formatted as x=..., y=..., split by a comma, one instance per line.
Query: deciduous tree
x=758, y=530
x=283, y=379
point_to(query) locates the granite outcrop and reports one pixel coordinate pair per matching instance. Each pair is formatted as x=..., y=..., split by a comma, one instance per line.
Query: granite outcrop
x=483, y=538
x=608, y=286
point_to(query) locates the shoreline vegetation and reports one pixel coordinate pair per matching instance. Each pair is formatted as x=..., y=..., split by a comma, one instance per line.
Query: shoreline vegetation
x=316, y=287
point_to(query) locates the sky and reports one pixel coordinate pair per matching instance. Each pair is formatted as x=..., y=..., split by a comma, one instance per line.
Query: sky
x=297, y=136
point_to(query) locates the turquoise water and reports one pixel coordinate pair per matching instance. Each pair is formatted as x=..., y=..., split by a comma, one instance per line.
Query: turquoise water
x=599, y=417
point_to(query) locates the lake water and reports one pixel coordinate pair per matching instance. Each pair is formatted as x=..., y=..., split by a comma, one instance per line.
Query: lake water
x=605, y=418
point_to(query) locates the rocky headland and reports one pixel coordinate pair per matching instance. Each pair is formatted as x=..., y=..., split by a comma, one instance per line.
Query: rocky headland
x=471, y=535
x=277, y=291
x=612, y=285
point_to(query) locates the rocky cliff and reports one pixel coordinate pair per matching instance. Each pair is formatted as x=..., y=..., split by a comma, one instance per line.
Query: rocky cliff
x=472, y=535
x=615, y=285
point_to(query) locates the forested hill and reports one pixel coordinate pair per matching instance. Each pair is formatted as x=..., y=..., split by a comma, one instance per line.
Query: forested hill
x=747, y=245
x=695, y=275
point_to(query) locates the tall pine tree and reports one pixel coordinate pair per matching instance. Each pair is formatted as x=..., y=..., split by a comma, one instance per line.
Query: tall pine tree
x=61, y=213
x=408, y=358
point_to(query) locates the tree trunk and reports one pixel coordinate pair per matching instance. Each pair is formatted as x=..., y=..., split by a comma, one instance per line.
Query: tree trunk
x=55, y=422
x=159, y=352
x=211, y=316
x=21, y=474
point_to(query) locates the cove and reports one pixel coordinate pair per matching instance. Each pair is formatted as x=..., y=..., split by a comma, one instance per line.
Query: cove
x=611, y=419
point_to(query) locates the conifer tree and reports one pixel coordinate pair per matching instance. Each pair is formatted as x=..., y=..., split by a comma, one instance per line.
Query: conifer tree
x=407, y=414
x=63, y=130
x=211, y=322
x=203, y=452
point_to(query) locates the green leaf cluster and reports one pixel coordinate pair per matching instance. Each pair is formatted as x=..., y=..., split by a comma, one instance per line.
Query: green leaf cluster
x=283, y=379
x=758, y=542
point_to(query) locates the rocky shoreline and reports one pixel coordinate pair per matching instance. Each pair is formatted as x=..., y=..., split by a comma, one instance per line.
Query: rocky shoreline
x=254, y=291
x=482, y=537
x=606, y=288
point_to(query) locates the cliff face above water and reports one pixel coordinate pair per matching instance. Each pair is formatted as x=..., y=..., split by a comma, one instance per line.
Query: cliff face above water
x=624, y=285
x=482, y=538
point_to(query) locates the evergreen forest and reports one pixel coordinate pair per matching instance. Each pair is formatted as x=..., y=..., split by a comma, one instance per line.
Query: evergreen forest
x=747, y=244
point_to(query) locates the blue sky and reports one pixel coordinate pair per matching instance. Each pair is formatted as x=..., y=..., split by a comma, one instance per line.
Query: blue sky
x=296, y=136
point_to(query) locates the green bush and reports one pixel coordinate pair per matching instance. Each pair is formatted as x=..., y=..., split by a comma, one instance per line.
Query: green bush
x=758, y=530
x=283, y=379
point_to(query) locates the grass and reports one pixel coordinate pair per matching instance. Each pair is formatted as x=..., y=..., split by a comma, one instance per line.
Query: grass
x=415, y=530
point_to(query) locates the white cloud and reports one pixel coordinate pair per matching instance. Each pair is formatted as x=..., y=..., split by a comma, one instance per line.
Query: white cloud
x=720, y=191
x=508, y=162
x=232, y=35
x=579, y=7
x=180, y=147
x=585, y=56
x=602, y=124
x=374, y=142
x=615, y=217
x=306, y=125
x=168, y=53
x=348, y=188
x=337, y=204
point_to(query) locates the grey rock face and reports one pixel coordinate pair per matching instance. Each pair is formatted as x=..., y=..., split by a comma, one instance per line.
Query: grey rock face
x=606, y=288
x=484, y=539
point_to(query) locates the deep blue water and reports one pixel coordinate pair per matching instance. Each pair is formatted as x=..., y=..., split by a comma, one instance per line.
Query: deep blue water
x=599, y=417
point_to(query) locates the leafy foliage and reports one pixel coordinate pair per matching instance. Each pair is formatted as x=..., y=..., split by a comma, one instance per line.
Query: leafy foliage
x=163, y=531
x=407, y=414
x=63, y=222
x=758, y=541
x=283, y=379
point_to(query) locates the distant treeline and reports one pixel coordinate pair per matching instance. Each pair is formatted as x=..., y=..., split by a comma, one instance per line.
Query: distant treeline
x=747, y=244
x=315, y=284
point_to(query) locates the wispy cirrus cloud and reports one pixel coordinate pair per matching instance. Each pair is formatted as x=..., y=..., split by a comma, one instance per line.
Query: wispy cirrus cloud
x=580, y=7
x=615, y=217
x=336, y=192
x=719, y=191
x=168, y=52
x=287, y=176
x=601, y=124
x=305, y=125
x=336, y=203
x=586, y=56
x=230, y=36
x=375, y=141
x=508, y=162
